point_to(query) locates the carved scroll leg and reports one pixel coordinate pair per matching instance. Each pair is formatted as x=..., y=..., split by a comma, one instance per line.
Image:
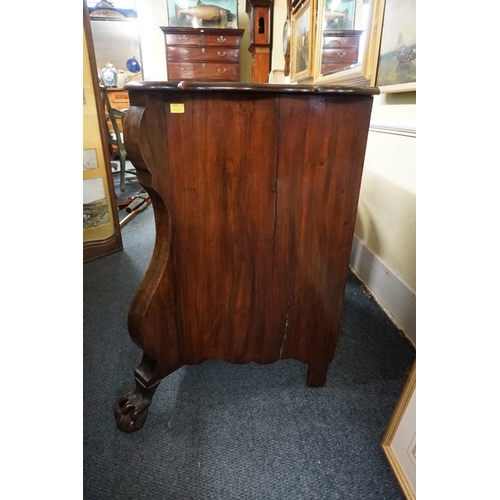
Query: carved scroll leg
x=316, y=374
x=133, y=407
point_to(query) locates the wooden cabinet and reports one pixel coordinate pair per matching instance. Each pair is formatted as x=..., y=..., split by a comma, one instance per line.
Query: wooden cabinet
x=203, y=54
x=255, y=191
x=340, y=49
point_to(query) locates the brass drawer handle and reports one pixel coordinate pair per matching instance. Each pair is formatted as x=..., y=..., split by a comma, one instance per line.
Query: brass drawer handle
x=184, y=38
x=186, y=69
x=184, y=52
x=340, y=54
x=221, y=39
x=342, y=41
x=221, y=71
x=222, y=54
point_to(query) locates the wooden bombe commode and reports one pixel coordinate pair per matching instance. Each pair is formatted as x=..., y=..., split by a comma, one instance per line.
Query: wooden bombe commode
x=255, y=190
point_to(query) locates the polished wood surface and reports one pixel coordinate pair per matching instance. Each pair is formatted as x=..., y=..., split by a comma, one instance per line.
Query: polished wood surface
x=261, y=64
x=255, y=191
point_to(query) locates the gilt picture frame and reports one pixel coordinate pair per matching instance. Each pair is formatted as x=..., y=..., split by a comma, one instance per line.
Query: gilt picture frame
x=400, y=438
x=203, y=14
x=302, y=41
x=397, y=59
x=367, y=22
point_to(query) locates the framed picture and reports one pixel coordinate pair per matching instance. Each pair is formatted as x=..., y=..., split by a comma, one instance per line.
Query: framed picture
x=400, y=439
x=347, y=42
x=90, y=159
x=397, y=61
x=95, y=205
x=302, y=41
x=198, y=14
x=101, y=228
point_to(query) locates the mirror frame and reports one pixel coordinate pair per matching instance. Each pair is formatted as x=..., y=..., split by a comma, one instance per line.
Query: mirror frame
x=364, y=73
x=117, y=21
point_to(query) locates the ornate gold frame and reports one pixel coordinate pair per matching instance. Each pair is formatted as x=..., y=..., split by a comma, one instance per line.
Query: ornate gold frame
x=386, y=443
x=297, y=13
x=366, y=72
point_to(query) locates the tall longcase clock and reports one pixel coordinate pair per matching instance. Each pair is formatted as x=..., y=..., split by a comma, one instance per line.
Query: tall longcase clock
x=260, y=14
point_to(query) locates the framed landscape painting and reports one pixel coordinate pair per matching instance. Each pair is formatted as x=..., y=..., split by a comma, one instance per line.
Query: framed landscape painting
x=397, y=63
x=302, y=41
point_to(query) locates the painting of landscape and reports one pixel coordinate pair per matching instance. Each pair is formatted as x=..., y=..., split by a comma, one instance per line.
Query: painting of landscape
x=95, y=209
x=397, y=63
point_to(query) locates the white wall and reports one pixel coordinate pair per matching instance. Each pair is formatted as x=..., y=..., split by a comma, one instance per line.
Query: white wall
x=384, y=247
x=152, y=14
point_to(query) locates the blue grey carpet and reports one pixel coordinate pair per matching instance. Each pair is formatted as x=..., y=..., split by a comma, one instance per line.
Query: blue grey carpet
x=229, y=432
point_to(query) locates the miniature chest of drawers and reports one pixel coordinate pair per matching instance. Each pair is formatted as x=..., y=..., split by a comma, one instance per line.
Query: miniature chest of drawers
x=340, y=49
x=203, y=54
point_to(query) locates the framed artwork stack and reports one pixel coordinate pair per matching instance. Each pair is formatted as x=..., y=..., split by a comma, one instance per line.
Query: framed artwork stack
x=355, y=43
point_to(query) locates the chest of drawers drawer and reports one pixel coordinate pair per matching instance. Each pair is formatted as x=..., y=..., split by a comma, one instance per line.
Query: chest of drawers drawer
x=333, y=56
x=183, y=39
x=222, y=40
x=203, y=71
x=203, y=54
x=340, y=42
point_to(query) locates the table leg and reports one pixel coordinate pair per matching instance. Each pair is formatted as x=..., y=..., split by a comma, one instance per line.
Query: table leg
x=133, y=407
x=316, y=374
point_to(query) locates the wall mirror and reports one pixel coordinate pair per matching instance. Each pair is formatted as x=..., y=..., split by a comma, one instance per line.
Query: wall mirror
x=347, y=41
x=115, y=33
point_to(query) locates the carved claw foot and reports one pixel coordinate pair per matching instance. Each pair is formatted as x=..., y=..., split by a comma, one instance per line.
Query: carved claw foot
x=134, y=406
x=132, y=411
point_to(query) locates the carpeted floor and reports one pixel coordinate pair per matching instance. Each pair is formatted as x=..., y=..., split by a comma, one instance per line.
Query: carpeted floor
x=226, y=432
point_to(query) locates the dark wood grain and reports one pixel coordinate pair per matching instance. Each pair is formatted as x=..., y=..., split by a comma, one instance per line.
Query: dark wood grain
x=255, y=191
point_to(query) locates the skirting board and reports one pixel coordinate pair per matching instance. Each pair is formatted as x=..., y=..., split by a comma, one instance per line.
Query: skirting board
x=392, y=294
